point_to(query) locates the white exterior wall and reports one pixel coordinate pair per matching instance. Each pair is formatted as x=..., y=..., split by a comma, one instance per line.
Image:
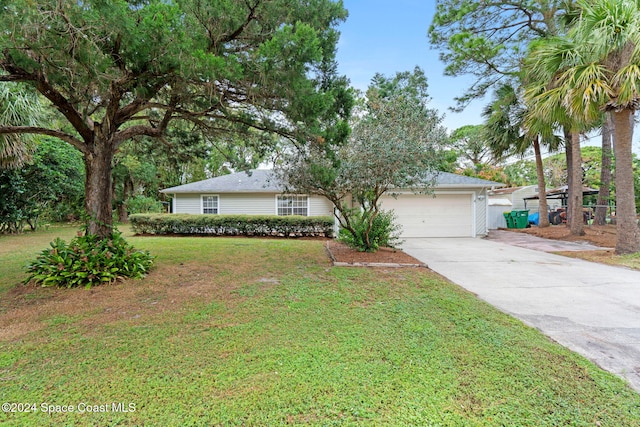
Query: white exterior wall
x=517, y=199
x=481, y=212
x=187, y=203
x=246, y=204
x=320, y=206
x=533, y=205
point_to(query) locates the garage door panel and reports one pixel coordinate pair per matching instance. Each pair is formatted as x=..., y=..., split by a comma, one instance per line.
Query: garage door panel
x=446, y=215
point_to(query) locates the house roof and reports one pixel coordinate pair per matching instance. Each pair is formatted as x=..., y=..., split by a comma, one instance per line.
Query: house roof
x=256, y=181
x=264, y=181
x=452, y=180
x=510, y=190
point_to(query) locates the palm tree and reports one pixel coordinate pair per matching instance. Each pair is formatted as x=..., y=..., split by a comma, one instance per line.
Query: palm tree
x=508, y=135
x=548, y=97
x=17, y=108
x=605, y=172
x=596, y=68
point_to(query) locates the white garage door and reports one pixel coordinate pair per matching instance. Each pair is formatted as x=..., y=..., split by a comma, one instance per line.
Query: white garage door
x=446, y=215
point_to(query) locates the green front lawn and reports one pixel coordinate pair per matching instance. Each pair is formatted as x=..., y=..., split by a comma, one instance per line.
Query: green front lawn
x=264, y=332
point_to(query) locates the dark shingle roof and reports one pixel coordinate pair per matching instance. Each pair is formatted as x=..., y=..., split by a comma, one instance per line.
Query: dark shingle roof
x=259, y=181
x=452, y=180
x=264, y=181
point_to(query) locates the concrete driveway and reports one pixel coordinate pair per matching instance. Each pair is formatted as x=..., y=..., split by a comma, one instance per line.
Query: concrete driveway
x=590, y=308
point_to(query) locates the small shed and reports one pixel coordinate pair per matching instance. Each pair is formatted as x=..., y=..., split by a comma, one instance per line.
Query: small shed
x=496, y=209
x=523, y=198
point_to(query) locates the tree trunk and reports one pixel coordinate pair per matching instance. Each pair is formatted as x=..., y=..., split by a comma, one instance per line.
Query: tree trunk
x=569, y=159
x=605, y=173
x=628, y=240
x=542, y=190
x=574, y=214
x=127, y=191
x=98, y=188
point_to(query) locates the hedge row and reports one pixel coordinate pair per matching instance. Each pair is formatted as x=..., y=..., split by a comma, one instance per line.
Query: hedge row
x=233, y=225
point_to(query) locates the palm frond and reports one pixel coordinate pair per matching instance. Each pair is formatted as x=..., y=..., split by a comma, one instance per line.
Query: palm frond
x=627, y=82
x=18, y=107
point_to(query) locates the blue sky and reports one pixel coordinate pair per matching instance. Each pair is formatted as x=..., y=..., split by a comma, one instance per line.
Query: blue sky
x=387, y=36
x=382, y=36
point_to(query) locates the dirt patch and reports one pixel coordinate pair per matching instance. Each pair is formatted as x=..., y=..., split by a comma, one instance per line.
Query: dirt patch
x=31, y=308
x=341, y=253
x=598, y=235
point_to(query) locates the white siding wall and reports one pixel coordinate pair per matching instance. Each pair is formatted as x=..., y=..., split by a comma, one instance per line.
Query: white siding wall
x=517, y=198
x=533, y=205
x=320, y=206
x=247, y=203
x=481, y=212
x=187, y=203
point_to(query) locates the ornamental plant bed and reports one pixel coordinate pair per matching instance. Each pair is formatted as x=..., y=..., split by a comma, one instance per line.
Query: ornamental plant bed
x=342, y=253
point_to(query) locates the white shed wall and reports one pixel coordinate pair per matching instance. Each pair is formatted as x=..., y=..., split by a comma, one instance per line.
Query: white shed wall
x=496, y=216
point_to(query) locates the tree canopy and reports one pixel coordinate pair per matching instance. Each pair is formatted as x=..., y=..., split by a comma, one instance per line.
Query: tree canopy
x=118, y=70
x=395, y=143
x=488, y=38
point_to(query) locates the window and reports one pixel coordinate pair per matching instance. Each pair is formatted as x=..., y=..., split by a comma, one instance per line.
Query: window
x=293, y=205
x=209, y=204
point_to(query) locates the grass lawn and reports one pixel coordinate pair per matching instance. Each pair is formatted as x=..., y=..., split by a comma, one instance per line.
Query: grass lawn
x=607, y=257
x=259, y=332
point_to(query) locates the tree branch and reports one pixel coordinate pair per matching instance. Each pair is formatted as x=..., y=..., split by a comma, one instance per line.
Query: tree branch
x=80, y=145
x=133, y=131
x=250, y=17
x=43, y=86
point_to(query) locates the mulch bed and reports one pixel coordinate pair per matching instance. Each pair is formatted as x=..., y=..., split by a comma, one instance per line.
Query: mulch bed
x=599, y=235
x=342, y=254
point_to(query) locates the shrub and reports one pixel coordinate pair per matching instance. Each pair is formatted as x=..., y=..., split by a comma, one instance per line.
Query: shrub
x=143, y=204
x=383, y=232
x=233, y=225
x=88, y=261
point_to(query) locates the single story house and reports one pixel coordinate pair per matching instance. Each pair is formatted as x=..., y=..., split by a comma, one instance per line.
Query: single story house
x=257, y=193
x=457, y=207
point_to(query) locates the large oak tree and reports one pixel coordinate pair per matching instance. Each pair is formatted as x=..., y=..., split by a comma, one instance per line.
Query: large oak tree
x=119, y=70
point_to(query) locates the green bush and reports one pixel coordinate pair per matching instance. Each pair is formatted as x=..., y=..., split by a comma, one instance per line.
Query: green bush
x=88, y=261
x=143, y=204
x=384, y=232
x=233, y=225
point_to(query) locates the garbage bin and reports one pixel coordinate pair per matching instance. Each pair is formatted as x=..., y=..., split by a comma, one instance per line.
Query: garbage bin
x=520, y=218
x=509, y=219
